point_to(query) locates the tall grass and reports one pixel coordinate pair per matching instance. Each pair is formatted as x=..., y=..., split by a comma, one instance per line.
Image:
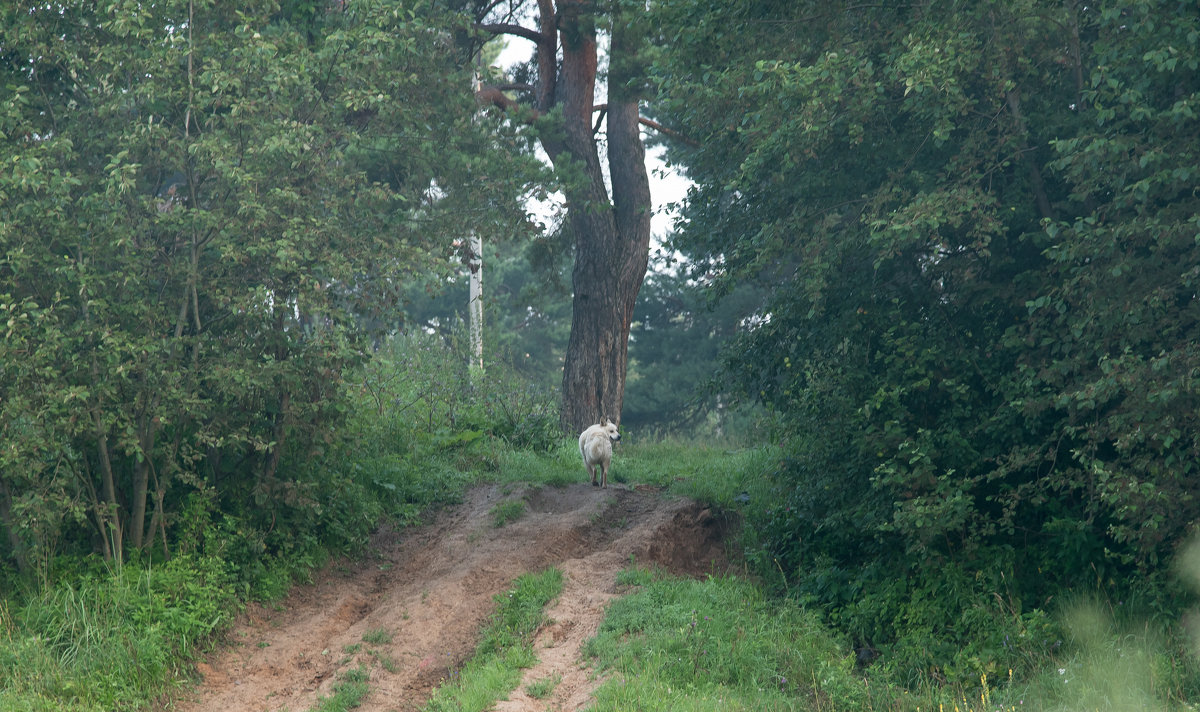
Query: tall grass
x=112, y=640
x=722, y=644
x=719, y=644
x=717, y=473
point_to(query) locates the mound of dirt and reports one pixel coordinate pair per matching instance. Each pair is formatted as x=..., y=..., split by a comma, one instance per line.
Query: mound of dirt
x=410, y=612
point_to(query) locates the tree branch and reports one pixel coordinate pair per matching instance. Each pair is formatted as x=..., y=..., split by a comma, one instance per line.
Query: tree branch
x=650, y=123
x=510, y=29
x=493, y=95
x=515, y=87
x=490, y=95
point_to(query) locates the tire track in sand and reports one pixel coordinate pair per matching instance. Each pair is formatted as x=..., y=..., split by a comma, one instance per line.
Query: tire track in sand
x=432, y=588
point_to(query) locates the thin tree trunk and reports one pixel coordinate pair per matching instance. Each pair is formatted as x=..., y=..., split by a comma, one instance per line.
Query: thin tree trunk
x=1036, y=184
x=141, y=483
x=101, y=520
x=15, y=545
x=280, y=435
x=475, y=301
x=112, y=518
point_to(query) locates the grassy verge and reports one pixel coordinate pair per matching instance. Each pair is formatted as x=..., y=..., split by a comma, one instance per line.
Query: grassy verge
x=505, y=649
x=679, y=644
x=721, y=644
x=111, y=639
x=105, y=639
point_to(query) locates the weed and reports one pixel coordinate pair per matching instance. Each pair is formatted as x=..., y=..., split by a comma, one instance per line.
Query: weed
x=377, y=636
x=543, y=688
x=386, y=661
x=348, y=692
x=635, y=576
x=507, y=511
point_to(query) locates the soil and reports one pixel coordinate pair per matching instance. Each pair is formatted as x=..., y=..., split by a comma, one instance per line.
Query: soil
x=432, y=588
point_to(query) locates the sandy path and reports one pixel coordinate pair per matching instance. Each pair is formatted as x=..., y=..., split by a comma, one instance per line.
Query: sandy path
x=431, y=588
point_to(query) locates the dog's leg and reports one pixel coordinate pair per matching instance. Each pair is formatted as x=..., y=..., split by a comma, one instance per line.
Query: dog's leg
x=592, y=470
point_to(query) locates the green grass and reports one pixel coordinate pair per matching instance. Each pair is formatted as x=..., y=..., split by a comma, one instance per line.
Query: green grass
x=505, y=648
x=507, y=511
x=348, y=692
x=679, y=644
x=721, y=644
x=708, y=472
x=543, y=688
x=377, y=636
x=558, y=468
x=111, y=639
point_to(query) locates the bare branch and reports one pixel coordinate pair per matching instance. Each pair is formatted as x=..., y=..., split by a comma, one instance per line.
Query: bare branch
x=509, y=29
x=650, y=123
x=666, y=131
x=600, y=112
x=515, y=87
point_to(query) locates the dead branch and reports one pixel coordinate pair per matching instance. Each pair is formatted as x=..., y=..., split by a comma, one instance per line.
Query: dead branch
x=650, y=123
x=510, y=29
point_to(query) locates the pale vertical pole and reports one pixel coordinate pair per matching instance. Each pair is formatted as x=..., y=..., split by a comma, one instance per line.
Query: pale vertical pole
x=475, y=264
x=475, y=303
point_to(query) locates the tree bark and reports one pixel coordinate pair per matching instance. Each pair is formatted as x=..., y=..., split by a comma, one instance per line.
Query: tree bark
x=611, y=231
x=112, y=518
x=16, y=547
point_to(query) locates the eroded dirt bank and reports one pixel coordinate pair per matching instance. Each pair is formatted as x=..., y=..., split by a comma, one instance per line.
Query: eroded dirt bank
x=432, y=587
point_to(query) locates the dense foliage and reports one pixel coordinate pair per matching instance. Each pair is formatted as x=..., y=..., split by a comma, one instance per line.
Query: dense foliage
x=978, y=222
x=106, y=635
x=675, y=342
x=204, y=206
x=956, y=243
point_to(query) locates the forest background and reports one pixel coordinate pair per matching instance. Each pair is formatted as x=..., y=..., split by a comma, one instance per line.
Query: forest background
x=940, y=257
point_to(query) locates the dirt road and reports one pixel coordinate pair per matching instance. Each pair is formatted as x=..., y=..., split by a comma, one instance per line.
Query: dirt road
x=422, y=595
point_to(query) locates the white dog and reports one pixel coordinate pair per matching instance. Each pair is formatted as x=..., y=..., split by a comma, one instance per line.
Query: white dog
x=595, y=445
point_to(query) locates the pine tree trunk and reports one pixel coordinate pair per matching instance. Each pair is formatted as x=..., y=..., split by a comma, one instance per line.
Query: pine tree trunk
x=612, y=235
x=611, y=232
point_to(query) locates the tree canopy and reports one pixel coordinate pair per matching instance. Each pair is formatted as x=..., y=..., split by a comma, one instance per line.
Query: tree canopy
x=978, y=224
x=952, y=247
x=206, y=207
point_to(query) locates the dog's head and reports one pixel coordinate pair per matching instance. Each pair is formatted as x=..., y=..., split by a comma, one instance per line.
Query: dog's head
x=610, y=429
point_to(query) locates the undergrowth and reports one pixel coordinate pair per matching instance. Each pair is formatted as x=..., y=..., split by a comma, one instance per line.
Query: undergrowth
x=111, y=639
x=723, y=644
x=719, y=644
x=418, y=434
